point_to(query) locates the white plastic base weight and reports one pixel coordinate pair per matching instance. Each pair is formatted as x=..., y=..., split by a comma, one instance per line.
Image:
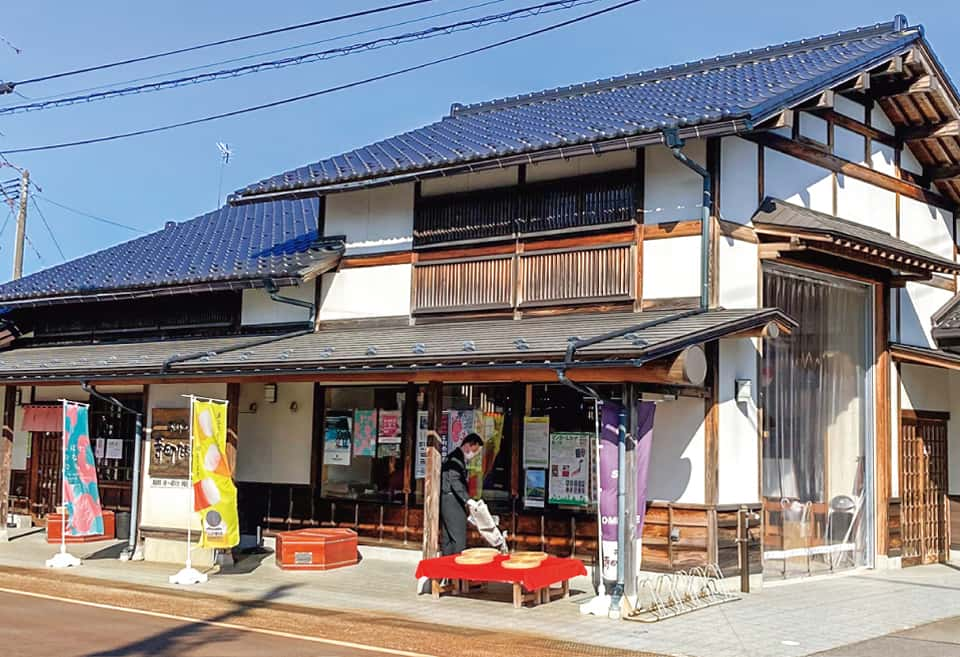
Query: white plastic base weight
x=598, y=606
x=188, y=576
x=63, y=560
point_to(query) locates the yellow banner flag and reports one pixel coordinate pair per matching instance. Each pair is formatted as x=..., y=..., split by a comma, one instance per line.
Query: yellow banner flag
x=214, y=494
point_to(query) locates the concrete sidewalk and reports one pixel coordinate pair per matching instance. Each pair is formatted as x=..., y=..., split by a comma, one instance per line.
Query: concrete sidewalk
x=787, y=620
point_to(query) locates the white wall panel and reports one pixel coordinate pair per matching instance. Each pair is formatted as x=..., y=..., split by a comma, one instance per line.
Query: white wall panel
x=172, y=507
x=918, y=303
x=813, y=127
x=374, y=220
x=469, y=182
x=880, y=121
x=866, y=204
x=579, y=166
x=797, y=182
x=739, y=171
x=365, y=292
x=738, y=273
x=672, y=192
x=739, y=458
x=850, y=108
x=671, y=267
x=882, y=158
x=926, y=226
x=677, y=457
x=259, y=308
x=274, y=443
x=924, y=388
x=849, y=145
x=953, y=436
x=909, y=162
x=895, y=395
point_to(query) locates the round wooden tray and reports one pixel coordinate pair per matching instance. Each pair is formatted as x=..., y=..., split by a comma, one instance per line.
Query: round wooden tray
x=480, y=552
x=473, y=560
x=521, y=564
x=521, y=556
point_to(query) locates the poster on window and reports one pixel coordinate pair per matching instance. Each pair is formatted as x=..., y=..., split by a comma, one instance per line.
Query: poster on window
x=490, y=428
x=336, y=440
x=420, y=460
x=365, y=432
x=569, y=468
x=536, y=442
x=459, y=424
x=114, y=448
x=535, y=489
x=389, y=427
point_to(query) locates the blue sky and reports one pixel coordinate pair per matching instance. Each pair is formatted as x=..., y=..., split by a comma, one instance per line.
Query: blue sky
x=174, y=175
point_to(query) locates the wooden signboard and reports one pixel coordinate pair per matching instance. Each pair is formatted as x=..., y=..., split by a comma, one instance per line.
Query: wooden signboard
x=170, y=448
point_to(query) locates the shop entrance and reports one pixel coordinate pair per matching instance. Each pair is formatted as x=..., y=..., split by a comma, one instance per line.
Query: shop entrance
x=923, y=485
x=45, y=472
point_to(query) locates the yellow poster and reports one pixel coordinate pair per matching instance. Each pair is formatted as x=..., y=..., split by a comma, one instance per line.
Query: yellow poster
x=214, y=494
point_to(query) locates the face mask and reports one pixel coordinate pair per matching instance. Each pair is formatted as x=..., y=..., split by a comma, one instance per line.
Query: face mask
x=468, y=456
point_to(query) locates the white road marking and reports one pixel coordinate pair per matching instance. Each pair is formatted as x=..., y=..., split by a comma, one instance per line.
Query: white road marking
x=228, y=626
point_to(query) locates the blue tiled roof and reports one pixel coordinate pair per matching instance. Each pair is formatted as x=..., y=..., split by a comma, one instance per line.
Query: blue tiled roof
x=749, y=85
x=248, y=242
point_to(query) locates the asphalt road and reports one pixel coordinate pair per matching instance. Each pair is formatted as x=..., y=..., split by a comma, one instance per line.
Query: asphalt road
x=35, y=627
x=940, y=639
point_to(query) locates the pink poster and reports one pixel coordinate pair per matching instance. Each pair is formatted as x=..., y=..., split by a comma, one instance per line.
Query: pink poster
x=460, y=423
x=389, y=427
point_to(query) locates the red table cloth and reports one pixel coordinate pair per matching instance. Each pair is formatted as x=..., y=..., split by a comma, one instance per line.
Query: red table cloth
x=551, y=570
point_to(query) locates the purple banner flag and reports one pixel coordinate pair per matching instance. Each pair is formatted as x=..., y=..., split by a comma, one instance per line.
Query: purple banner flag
x=81, y=497
x=609, y=474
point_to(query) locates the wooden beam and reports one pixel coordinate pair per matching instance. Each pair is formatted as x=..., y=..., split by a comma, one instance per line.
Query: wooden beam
x=943, y=173
x=853, y=125
x=944, y=129
x=784, y=119
x=823, y=100
x=905, y=87
x=671, y=229
x=6, y=452
x=884, y=437
x=848, y=168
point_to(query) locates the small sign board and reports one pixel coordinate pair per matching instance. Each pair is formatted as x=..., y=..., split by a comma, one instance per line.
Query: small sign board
x=170, y=443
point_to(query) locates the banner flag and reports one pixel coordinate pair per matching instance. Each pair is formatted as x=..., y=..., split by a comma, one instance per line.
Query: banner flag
x=214, y=493
x=81, y=495
x=609, y=473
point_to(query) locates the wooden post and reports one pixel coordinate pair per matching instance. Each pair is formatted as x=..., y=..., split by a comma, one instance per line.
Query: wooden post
x=883, y=436
x=431, y=484
x=711, y=439
x=743, y=547
x=233, y=424
x=6, y=453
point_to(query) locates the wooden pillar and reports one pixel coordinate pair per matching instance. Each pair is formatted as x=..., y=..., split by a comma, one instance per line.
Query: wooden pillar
x=431, y=484
x=883, y=437
x=711, y=452
x=6, y=452
x=713, y=167
x=233, y=423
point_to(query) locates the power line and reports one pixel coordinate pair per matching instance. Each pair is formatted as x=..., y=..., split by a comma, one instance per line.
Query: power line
x=322, y=92
x=90, y=216
x=266, y=53
x=6, y=221
x=376, y=44
x=221, y=42
x=46, y=225
x=35, y=250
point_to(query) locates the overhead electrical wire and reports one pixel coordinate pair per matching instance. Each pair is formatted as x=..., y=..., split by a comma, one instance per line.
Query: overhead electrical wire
x=266, y=53
x=375, y=44
x=36, y=251
x=103, y=220
x=5, y=222
x=328, y=90
x=46, y=225
x=221, y=42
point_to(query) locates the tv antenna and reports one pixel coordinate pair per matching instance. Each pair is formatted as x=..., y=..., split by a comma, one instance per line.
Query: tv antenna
x=225, y=153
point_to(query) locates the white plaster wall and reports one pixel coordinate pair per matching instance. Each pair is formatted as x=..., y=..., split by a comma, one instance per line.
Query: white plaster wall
x=813, y=127
x=882, y=158
x=918, y=303
x=171, y=507
x=373, y=220
x=258, y=308
x=676, y=460
x=274, y=444
x=953, y=436
x=909, y=162
x=365, y=292
x=579, y=166
x=866, y=204
x=850, y=108
x=469, y=182
x=56, y=393
x=926, y=226
x=739, y=170
x=880, y=121
x=849, y=145
x=738, y=274
x=739, y=475
x=934, y=389
x=671, y=267
x=895, y=394
x=672, y=191
x=797, y=182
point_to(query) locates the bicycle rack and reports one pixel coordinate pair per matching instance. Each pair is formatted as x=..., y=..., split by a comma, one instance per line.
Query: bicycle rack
x=672, y=594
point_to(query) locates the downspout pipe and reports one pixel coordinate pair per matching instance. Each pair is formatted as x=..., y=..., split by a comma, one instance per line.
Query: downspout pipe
x=273, y=290
x=131, y=548
x=675, y=144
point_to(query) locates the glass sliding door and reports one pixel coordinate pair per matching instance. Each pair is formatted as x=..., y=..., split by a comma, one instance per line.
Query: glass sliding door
x=817, y=401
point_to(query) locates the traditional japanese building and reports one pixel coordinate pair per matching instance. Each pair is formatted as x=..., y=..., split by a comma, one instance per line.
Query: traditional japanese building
x=764, y=243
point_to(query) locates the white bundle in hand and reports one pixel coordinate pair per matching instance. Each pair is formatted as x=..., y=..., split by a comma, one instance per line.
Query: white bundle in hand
x=486, y=524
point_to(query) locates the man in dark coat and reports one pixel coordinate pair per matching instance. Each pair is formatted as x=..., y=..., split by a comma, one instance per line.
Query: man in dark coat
x=454, y=495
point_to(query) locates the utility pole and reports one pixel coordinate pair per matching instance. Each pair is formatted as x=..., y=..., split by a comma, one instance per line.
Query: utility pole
x=21, y=225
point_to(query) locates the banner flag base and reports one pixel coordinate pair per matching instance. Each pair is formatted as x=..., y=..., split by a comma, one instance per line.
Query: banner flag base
x=63, y=560
x=598, y=606
x=188, y=576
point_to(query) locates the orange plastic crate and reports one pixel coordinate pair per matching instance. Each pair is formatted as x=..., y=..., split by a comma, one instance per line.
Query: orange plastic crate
x=316, y=549
x=54, y=526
